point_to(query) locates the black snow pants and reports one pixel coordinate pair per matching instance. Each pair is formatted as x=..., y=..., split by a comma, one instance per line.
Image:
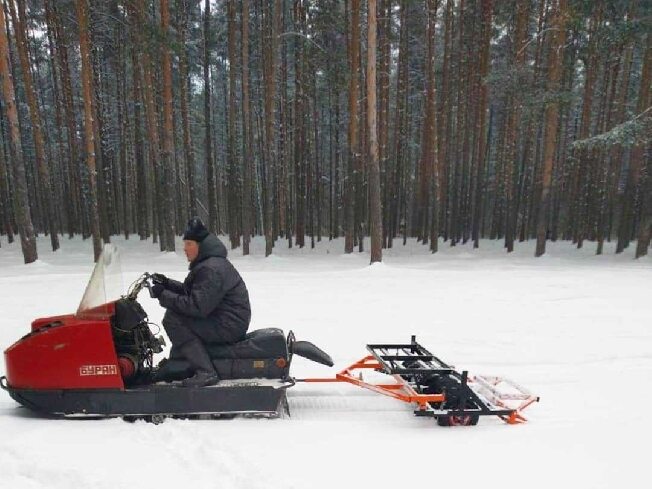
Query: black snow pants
x=182, y=329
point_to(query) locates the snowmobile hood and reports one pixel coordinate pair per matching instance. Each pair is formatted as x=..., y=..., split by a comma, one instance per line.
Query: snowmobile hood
x=208, y=247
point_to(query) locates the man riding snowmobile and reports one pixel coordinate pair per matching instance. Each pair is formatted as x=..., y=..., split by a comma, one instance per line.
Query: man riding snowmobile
x=210, y=306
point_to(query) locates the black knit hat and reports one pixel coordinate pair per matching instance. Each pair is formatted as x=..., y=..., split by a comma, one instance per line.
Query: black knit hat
x=195, y=230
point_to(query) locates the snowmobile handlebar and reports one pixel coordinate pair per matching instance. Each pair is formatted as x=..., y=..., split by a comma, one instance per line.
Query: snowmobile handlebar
x=144, y=281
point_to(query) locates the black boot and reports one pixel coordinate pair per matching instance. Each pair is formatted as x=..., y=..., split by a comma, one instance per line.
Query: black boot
x=205, y=373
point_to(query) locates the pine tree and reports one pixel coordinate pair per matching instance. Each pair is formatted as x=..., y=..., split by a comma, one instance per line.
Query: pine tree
x=35, y=118
x=555, y=55
x=89, y=135
x=374, y=164
x=167, y=154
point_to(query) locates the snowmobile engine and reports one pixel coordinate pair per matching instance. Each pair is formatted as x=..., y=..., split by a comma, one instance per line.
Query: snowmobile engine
x=134, y=342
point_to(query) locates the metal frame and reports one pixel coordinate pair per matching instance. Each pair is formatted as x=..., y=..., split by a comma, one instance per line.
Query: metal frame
x=400, y=390
x=413, y=368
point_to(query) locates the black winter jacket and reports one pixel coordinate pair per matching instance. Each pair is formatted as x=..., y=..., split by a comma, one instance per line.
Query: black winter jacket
x=212, y=290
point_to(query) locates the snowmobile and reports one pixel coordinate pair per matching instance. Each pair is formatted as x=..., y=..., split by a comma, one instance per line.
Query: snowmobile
x=98, y=362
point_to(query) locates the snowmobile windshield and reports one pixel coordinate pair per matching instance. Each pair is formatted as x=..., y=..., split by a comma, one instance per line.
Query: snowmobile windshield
x=104, y=287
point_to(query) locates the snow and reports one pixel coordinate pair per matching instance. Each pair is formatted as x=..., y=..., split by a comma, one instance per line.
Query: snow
x=572, y=327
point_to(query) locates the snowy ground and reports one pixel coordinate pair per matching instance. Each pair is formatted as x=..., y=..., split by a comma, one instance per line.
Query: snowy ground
x=574, y=328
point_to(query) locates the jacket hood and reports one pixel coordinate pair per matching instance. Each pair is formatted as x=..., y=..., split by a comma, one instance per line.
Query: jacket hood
x=208, y=247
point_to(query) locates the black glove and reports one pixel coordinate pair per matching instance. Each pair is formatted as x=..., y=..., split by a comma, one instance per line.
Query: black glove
x=157, y=289
x=159, y=278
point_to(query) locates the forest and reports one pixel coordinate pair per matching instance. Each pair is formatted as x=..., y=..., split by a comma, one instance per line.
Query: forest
x=448, y=121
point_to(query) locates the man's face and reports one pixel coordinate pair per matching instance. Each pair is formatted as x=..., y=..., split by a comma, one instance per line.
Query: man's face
x=191, y=249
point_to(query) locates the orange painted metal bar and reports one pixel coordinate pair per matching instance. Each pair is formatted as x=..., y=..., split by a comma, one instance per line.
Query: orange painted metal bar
x=401, y=390
x=515, y=418
x=321, y=381
x=390, y=386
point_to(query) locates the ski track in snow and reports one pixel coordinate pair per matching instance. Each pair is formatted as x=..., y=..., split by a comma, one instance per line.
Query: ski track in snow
x=572, y=327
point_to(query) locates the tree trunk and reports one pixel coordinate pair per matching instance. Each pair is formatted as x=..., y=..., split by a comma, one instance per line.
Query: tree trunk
x=65, y=167
x=299, y=126
x=285, y=147
x=645, y=226
x=601, y=199
x=616, y=153
x=21, y=199
x=35, y=119
x=211, y=183
x=184, y=102
x=354, y=116
x=270, y=37
x=513, y=124
x=78, y=194
x=481, y=136
x=376, y=219
x=444, y=124
x=555, y=56
x=126, y=182
x=247, y=194
x=456, y=153
x=583, y=168
x=167, y=155
x=87, y=79
x=384, y=33
x=435, y=162
x=232, y=153
x=396, y=218
x=427, y=201
x=151, y=119
x=637, y=157
x=143, y=192
x=5, y=199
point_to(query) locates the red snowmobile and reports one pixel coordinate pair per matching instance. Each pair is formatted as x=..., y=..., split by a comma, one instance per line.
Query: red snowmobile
x=98, y=362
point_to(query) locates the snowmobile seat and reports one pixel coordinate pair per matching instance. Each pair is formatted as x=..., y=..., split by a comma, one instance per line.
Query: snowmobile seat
x=263, y=353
